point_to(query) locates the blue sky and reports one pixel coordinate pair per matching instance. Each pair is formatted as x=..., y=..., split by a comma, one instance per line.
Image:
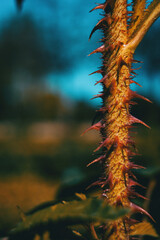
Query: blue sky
x=72, y=19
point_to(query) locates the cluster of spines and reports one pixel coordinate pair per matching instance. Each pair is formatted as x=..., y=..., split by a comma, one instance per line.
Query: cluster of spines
x=110, y=81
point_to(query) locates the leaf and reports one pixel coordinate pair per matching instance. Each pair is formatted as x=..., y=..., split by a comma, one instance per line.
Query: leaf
x=70, y=213
x=143, y=228
x=149, y=172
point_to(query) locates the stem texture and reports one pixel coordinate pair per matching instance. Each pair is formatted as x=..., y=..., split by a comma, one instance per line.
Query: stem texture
x=120, y=39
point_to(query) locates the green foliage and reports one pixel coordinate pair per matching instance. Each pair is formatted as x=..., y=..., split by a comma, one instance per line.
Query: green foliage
x=150, y=172
x=57, y=218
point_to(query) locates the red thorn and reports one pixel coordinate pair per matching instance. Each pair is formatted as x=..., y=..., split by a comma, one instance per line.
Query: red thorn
x=131, y=142
x=130, y=153
x=135, y=166
x=109, y=180
x=137, y=68
x=98, y=50
x=128, y=126
x=133, y=94
x=106, y=142
x=136, y=208
x=98, y=71
x=132, y=103
x=136, y=120
x=96, y=126
x=102, y=80
x=132, y=81
x=131, y=166
x=98, y=96
x=101, y=6
x=93, y=31
x=107, y=19
x=97, y=160
x=130, y=12
x=128, y=17
x=102, y=109
x=139, y=195
x=131, y=174
x=93, y=184
x=136, y=61
x=129, y=4
x=125, y=169
x=131, y=75
x=135, y=193
x=130, y=60
x=133, y=183
x=133, y=72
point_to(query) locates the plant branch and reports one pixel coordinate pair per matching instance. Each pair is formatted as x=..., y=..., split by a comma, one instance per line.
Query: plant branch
x=152, y=13
x=137, y=15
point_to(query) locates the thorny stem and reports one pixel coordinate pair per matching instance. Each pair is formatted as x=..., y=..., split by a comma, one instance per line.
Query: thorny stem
x=121, y=37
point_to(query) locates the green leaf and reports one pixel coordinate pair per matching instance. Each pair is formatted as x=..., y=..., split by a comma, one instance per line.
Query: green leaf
x=149, y=172
x=67, y=214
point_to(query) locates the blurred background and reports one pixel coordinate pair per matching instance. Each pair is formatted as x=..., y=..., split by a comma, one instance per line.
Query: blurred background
x=45, y=92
